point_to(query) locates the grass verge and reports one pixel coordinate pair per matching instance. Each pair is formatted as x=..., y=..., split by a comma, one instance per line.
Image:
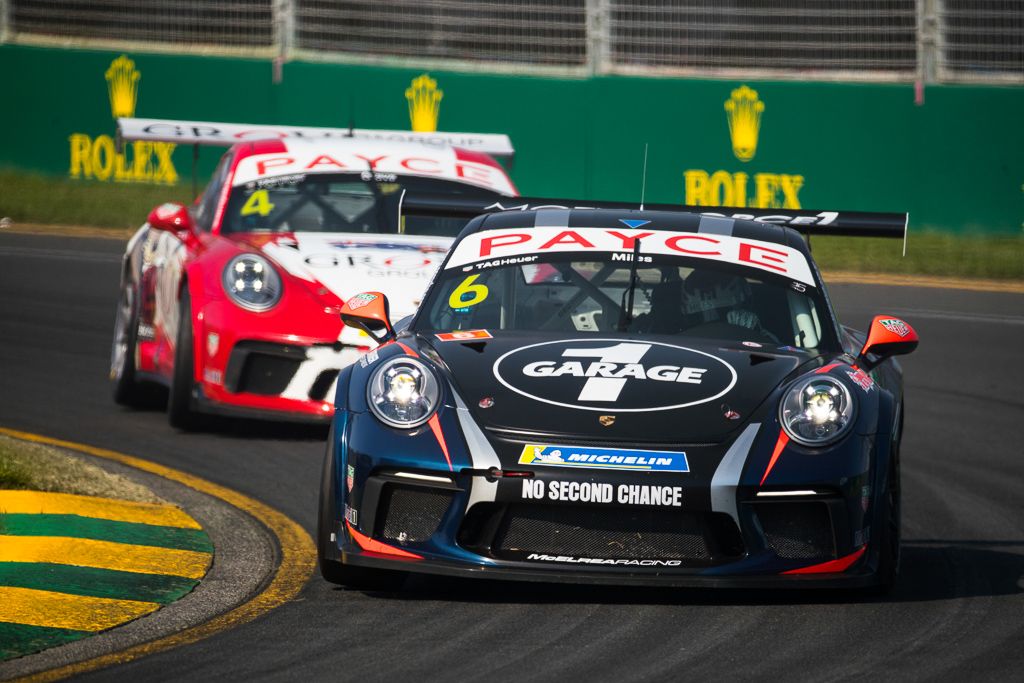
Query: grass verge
x=29, y=198
x=36, y=199
x=928, y=253
x=35, y=467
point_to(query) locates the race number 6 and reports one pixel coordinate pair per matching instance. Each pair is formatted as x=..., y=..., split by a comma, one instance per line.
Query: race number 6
x=477, y=293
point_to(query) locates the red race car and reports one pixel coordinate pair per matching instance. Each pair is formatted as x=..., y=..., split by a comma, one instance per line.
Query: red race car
x=232, y=303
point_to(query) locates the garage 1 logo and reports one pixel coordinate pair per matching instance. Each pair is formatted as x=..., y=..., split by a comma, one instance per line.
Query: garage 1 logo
x=596, y=373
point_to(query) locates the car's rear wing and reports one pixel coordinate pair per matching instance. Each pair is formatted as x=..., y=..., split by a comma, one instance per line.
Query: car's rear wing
x=808, y=222
x=226, y=134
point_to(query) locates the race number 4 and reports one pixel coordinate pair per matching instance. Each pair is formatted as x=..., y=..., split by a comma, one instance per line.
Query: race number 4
x=259, y=203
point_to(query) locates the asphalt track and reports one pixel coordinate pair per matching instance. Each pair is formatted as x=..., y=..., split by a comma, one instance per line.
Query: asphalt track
x=958, y=611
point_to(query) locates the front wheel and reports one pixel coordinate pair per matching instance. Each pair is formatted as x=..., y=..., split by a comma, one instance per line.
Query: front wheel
x=358, y=578
x=179, y=404
x=361, y=578
x=127, y=390
x=890, y=538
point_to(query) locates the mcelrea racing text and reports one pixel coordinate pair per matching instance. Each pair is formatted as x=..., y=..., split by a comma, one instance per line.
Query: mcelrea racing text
x=595, y=560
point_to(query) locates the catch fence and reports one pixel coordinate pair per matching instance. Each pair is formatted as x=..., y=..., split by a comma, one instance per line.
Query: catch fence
x=958, y=41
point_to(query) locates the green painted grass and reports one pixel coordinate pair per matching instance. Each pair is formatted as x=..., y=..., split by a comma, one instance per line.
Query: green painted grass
x=25, y=465
x=17, y=640
x=96, y=583
x=75, y=526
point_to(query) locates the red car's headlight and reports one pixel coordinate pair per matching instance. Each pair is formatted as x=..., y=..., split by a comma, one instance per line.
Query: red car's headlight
x=252, y=283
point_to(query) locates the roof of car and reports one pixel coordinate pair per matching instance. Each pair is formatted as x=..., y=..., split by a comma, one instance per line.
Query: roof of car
x=271, y=158
x=620, y=219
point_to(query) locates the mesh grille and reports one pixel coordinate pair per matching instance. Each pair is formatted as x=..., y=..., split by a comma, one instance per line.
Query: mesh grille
x=411, y=513
x=267, y=375
x=798, y=531
x=959, y=40
x=601, y=533
x=522, y=31
x=869, y=35
x=247, y=23
x=982, y=38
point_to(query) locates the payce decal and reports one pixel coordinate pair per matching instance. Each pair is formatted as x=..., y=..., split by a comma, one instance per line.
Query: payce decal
x=743, y=111
x=593, y=374
x=142, y=161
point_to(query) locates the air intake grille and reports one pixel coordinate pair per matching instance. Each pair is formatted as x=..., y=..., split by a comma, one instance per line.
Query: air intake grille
x=601, y=533
x=262, y=368
x=798, y=531
x=411, y=513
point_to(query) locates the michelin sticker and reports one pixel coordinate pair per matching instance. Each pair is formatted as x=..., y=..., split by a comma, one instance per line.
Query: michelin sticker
x=604, y=458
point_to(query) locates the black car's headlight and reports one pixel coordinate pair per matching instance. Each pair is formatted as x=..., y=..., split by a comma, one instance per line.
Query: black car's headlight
x=817, y=410
x=252, y=282
x=403, y=392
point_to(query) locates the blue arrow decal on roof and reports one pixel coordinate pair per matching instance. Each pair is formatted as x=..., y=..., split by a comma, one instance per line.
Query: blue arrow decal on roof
x=632, y=222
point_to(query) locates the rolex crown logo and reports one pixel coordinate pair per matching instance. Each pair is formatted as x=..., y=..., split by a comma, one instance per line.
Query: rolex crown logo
x=424, y=103
x=743, y=110
x=123, y=86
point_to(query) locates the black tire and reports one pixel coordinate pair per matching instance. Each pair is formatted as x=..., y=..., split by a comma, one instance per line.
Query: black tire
x=361, y=578
x=890, y=537
x=357, y=578
x=179, y=404
x=126, y=389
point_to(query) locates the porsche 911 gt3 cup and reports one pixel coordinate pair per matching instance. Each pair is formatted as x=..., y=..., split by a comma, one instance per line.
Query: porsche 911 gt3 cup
x=618, y=396
x=233, y=303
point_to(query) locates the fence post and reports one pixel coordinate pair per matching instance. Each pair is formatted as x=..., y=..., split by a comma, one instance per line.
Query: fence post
x=5, y=20
x=284, y=35
x=598, y=32
x=928, y=41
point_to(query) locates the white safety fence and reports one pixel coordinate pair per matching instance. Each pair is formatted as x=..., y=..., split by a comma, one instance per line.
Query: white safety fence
x=895, y=40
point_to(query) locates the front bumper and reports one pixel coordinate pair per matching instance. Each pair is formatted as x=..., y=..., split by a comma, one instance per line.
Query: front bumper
x=776, y=542
x=861, y=577
x=264, y=371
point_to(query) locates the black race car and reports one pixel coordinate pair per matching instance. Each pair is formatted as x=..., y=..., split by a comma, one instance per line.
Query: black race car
x=613, y=396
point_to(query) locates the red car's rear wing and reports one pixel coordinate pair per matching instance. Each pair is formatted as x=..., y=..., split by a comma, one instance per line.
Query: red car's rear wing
x=227, y=134
x=808, y=222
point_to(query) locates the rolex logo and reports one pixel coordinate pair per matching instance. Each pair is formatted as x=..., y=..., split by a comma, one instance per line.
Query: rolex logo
x=743, y=111
x=424, y=103
x=123, y=86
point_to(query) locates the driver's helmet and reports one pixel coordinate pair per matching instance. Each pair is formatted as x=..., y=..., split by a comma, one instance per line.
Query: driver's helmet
x=710, y=295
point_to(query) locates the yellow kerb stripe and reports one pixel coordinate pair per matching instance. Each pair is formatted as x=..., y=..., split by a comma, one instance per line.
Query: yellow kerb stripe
x=61, y=610
x=36, y=502
x=84, y=552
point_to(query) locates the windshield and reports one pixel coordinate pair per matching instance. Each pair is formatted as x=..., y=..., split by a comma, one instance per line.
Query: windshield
x=339, y=202
x=672, y=295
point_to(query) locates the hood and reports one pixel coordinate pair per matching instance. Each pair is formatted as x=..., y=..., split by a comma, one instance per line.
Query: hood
x=666, y=389
x=346, y=264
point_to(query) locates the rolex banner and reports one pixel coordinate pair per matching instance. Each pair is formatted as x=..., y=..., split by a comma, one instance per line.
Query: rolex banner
x=954, y=162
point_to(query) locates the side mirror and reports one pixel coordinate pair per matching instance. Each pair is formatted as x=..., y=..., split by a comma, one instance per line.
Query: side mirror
x=171, y=217
x=369, y=312
x=888, y=336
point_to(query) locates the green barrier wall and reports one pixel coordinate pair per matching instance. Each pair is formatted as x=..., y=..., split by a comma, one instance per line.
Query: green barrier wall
x=956, y=162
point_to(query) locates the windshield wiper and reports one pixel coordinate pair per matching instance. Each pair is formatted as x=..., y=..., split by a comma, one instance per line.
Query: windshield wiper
x=626, y=311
